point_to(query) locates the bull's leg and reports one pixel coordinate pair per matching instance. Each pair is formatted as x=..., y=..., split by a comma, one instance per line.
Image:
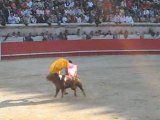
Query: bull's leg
x=62, y=90
x=57, y=91
x=80, y=86
x=75, y=92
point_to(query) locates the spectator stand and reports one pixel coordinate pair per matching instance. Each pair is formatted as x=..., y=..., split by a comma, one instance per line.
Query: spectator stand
x=73, y=31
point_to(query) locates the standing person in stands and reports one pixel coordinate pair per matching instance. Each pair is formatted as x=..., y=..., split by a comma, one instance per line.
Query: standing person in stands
x=63, y=64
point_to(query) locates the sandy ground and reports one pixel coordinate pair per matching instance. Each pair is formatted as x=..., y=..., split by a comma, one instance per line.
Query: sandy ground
x=121, y=87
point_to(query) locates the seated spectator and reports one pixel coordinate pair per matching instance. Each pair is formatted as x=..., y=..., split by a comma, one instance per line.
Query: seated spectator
x=78, y=33
x=116, y=18
x=90, y=5
x=29, y=3
x=88, y=37
x=41, y=19
x=13, y=34
x=26, y=19
x=71, y=19
x=28, y=37
x=84, y=35
x=129, y=19
x=56, y=4
x=126, y=34
x=91, y=34
x=26, y=12
x=85, y=18
x=79, y=19
x=152, y=19
x=157, y=35
x=67, y=4
x=12, y=19
x=61, y=36
x=52, y=19
x=108, y=33
x=72, y=4
x=80, y=11
x=17, y=19
x=122, y=19
x=115, y=35
x=18, y=34
x=77, y=11
x=13, y=5
x=50, y=36
x=47, y=12
x=56, y=37
x=64, y=19
x=32, y=19
x=146, y=14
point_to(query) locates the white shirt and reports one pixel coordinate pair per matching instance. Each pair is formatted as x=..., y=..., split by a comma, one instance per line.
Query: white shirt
x=86, y=18
x=17, y=19
x=72, y=69
x=129, y=19
x=79, y=20
x=11, y=20
x=116, y=18
x=90, y=4
x=122, y=19
x=64, y=19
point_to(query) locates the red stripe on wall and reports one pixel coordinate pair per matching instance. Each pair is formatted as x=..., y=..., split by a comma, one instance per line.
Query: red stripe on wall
x=78, y=45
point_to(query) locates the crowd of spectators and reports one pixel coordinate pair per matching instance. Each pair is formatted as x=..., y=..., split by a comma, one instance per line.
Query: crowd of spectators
x=79, y=34
x=78, y=11
x=36, y=37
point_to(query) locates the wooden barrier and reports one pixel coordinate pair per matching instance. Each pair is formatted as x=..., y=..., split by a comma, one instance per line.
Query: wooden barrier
x=14, y=50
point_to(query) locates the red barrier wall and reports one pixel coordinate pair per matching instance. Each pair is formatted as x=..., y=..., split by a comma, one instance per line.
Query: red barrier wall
x=80, y=47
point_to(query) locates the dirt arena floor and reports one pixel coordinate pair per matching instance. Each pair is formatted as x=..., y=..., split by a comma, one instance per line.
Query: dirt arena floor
x=118, y=87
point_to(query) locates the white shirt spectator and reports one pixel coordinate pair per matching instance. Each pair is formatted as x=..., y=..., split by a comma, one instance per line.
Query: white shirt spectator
x=17, y=19
x=33, y=19
x=11, y=19
x=122, y=19
x=71, y=11
x=129, y=19
x=146, y=12
x=90, y=4
x=79, y=19
x=116, y=18
x=77, y=11
x=72, y=4
x=86, y=18
x=26, y=12
x=135, y=8
x=64, y=19
x=152, y=12
x=29, y=3
x=67, y=11
x=40, y=12
x=123, y=3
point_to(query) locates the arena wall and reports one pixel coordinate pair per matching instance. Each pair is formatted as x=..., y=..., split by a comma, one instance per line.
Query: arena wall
x=16, y=50
x=72, y=28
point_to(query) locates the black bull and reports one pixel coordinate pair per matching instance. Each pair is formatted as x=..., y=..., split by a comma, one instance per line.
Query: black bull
x=69, y=83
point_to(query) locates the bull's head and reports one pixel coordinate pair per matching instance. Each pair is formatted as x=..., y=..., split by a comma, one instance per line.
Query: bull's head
x=52, y=77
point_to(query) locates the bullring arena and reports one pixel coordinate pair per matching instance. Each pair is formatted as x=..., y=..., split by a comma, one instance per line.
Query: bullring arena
x=120, y=78
x=115, y=43
x=118, y=87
